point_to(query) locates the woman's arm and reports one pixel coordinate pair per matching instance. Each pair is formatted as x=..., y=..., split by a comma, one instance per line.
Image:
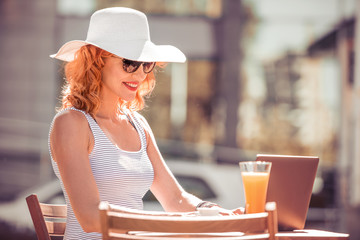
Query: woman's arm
x=70, y=142
x=165, y=187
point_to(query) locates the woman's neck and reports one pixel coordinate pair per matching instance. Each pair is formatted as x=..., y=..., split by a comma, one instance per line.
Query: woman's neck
x=108, y=108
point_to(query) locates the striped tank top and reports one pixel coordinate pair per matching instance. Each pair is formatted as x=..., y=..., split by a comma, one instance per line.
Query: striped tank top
x=122, y=177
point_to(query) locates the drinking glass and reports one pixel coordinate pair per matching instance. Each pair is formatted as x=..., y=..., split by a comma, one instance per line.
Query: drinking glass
x=255, y=176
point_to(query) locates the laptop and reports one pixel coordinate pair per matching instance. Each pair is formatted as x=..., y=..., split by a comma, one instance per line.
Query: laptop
x=290, y=186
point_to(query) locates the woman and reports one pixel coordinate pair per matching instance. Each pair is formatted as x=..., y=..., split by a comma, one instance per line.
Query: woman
x=101, y=148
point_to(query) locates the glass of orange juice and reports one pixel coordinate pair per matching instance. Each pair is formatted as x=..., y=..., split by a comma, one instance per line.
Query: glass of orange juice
x=255, y=176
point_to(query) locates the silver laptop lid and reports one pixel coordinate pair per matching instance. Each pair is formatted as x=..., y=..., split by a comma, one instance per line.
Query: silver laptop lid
x=290, y=186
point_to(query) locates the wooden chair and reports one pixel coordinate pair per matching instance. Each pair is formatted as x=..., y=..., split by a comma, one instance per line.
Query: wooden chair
x=48, y=219
x=118, y=223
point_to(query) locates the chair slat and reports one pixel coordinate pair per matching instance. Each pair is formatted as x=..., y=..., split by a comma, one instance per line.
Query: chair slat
x=123, y=221
x=53, y=211
x=55, y=228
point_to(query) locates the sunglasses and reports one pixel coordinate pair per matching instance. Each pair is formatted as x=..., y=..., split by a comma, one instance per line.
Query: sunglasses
x=130, y=66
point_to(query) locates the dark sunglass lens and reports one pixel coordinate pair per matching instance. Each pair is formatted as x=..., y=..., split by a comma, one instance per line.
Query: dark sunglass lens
x=148, y=66
x=130, y=66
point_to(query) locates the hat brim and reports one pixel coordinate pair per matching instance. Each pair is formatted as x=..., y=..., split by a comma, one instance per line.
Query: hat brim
x=144, y=51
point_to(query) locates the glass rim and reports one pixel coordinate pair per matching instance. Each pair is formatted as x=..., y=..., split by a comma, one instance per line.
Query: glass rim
x=255, y=162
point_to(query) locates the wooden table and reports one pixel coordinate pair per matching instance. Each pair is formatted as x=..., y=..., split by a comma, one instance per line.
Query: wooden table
x=308, y=234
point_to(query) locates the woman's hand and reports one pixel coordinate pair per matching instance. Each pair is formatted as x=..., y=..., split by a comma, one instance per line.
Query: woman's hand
x=236, y=211
x=221, y=211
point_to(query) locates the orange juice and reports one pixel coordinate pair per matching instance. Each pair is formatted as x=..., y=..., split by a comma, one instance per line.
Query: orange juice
x=255, y=186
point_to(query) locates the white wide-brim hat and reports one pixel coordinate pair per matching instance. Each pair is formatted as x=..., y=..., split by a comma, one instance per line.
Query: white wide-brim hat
x=125, y=33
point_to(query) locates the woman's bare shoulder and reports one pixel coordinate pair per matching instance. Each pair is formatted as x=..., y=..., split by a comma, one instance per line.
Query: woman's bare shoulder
x=70, y=131
x=69, y=120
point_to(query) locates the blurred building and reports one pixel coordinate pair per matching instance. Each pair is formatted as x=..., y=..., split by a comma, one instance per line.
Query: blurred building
x=343, y=45
x=27, y=92
x=300, y=104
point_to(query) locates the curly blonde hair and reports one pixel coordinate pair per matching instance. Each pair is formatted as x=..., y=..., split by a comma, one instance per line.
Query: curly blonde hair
x=84, y=82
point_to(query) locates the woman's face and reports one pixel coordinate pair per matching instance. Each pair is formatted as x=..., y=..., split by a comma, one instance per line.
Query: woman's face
x=119, y=83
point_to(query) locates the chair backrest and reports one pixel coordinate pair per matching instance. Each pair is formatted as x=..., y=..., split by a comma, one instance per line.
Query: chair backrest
x=117, y=224
x=48, y=219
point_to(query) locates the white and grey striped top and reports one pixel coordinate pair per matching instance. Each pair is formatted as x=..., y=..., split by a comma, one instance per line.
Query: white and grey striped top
x=122, y=177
